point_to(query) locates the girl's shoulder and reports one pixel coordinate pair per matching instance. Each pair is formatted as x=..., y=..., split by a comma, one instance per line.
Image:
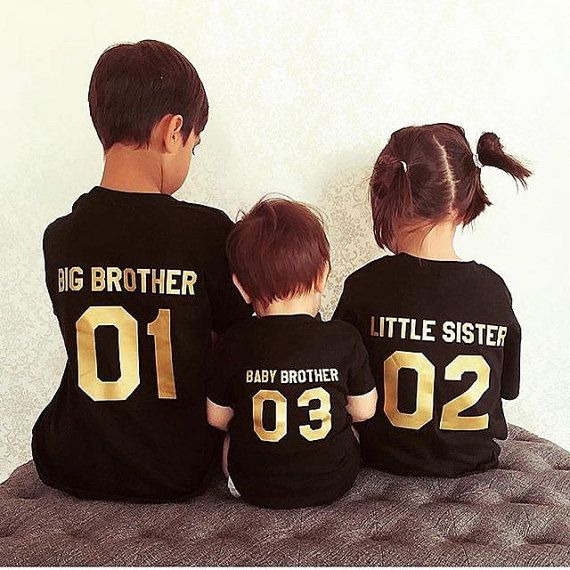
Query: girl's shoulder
x=391, y=271
x=494, y=279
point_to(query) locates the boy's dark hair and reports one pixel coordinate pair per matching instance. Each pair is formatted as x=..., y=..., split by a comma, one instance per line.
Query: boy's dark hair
x=426, y=172
x=133, y=86
x=278, y=249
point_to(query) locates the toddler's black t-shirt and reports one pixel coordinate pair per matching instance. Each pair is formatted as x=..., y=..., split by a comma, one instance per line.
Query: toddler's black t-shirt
x=444, y=348
x=287, y=378
x=137, y=282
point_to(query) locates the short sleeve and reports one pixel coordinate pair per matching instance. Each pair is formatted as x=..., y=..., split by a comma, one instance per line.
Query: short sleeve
x=219, y=387
x=510, y=378
x=50, y=248
x=227, y=305
x=360, y=379
x=344, y=310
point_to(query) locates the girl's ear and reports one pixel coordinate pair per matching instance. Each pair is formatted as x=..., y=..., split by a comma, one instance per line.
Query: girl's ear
x=456, y=217
x=242, y=291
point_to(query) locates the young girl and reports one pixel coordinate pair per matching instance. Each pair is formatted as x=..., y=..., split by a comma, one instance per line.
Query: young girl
x=285, y=383
x=441, y=334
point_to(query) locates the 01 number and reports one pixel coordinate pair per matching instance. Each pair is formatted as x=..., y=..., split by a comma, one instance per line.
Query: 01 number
x=127, y=328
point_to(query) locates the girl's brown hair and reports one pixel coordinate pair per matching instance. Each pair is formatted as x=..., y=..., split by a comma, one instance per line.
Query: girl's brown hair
x=427, y=173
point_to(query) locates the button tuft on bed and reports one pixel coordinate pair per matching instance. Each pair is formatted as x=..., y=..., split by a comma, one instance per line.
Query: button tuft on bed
x=517, y=515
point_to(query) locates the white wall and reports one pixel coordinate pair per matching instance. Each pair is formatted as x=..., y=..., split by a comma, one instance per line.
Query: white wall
x=303, y=96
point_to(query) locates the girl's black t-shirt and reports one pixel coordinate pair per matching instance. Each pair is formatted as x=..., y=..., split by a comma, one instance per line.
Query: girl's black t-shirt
x=137, y=282
x=444, y=348
x=287, y=378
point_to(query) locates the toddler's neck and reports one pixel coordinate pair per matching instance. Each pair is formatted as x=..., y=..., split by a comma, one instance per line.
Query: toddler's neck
x=307, y=304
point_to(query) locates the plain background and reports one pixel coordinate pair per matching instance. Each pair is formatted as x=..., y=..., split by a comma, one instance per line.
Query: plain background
x=303, y=95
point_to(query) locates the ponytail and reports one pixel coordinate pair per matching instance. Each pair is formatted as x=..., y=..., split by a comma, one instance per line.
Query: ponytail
x=490, y=153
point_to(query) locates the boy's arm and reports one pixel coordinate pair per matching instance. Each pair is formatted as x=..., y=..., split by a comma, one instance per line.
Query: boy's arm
x=219, y=416
x=362, y=394
x=50, y=270
x=227, y=305
x=219, y=387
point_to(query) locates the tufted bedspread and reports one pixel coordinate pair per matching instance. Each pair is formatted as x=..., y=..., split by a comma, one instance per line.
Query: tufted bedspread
x=518, y=514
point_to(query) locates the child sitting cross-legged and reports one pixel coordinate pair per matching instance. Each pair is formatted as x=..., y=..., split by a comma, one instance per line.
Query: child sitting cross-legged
x=284, y=384
x=441, y=333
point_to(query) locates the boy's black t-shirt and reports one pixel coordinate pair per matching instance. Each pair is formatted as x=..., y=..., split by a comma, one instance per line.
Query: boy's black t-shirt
x=137, y=282
x=287, y=378
x=444, y=346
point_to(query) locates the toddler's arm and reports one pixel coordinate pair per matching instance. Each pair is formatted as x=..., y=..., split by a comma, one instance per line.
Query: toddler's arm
x=362, y=407
x=219, y=416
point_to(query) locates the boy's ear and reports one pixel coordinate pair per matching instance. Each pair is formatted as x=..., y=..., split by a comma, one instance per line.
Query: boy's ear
x=242, y=291
x=322, y=280
x=172, y=132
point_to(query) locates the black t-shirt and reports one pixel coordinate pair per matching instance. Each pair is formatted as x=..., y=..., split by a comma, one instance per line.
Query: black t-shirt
x=137, y=282
x=287, y=378
x=444, y=348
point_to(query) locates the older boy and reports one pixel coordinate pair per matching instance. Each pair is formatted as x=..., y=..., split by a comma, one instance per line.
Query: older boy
x=138, y=280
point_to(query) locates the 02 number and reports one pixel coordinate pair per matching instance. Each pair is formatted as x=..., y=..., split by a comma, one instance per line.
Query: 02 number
x=425, y=370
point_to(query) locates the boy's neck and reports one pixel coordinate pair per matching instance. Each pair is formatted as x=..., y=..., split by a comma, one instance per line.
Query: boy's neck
x=131, y=170
x=308, y=304
x=436, y=244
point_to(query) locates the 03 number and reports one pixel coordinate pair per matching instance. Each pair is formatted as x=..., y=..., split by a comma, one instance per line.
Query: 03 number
x=425, y=370
x=322, y=413
x=127, y=328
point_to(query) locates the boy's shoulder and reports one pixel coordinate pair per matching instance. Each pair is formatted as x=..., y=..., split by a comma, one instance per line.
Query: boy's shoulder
x=238, y=330
x=253, y=326
x=334, y=329
x=206, y=217
x=215, y=215
x=334, y=332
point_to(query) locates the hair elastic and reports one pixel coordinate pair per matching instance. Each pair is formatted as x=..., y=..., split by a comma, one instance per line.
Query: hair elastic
x=404, y=165
x=476, y=160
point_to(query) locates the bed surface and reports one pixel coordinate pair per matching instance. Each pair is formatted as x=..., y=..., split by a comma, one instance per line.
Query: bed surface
x=518, y=514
